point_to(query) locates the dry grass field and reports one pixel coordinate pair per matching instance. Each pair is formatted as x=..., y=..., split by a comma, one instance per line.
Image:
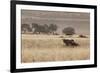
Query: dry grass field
x=42, y=48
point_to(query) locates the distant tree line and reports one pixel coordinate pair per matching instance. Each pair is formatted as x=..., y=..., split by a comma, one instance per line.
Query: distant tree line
x=39, y=29
x=45, y=29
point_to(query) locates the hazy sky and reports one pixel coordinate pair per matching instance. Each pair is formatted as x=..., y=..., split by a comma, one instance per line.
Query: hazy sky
x=80, y=21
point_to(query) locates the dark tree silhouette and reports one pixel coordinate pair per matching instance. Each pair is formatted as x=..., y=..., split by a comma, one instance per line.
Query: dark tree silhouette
x=52, y=28
x=46, y=28
x=69, y=31
x=37, y=29
x=41, y=29
x=35, y=26
x=25, y=28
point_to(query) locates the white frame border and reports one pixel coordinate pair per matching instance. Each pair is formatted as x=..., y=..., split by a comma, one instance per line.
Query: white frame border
x=51, y=64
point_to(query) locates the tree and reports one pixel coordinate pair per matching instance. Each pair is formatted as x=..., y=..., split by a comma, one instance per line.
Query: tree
x=43, y=28
x=69, y=31
x=52, y=28
x=39, y=28
x=34, y=25
x=46, y=28
x=25, y=28
x=36, y=28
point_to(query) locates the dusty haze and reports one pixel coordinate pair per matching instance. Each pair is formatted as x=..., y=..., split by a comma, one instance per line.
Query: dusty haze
x=80, y=21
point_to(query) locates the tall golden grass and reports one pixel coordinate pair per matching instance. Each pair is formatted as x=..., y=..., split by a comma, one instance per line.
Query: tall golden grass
x=42, y=48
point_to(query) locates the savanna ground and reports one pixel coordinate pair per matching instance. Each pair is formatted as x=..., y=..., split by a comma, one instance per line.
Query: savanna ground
x=43, y=48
